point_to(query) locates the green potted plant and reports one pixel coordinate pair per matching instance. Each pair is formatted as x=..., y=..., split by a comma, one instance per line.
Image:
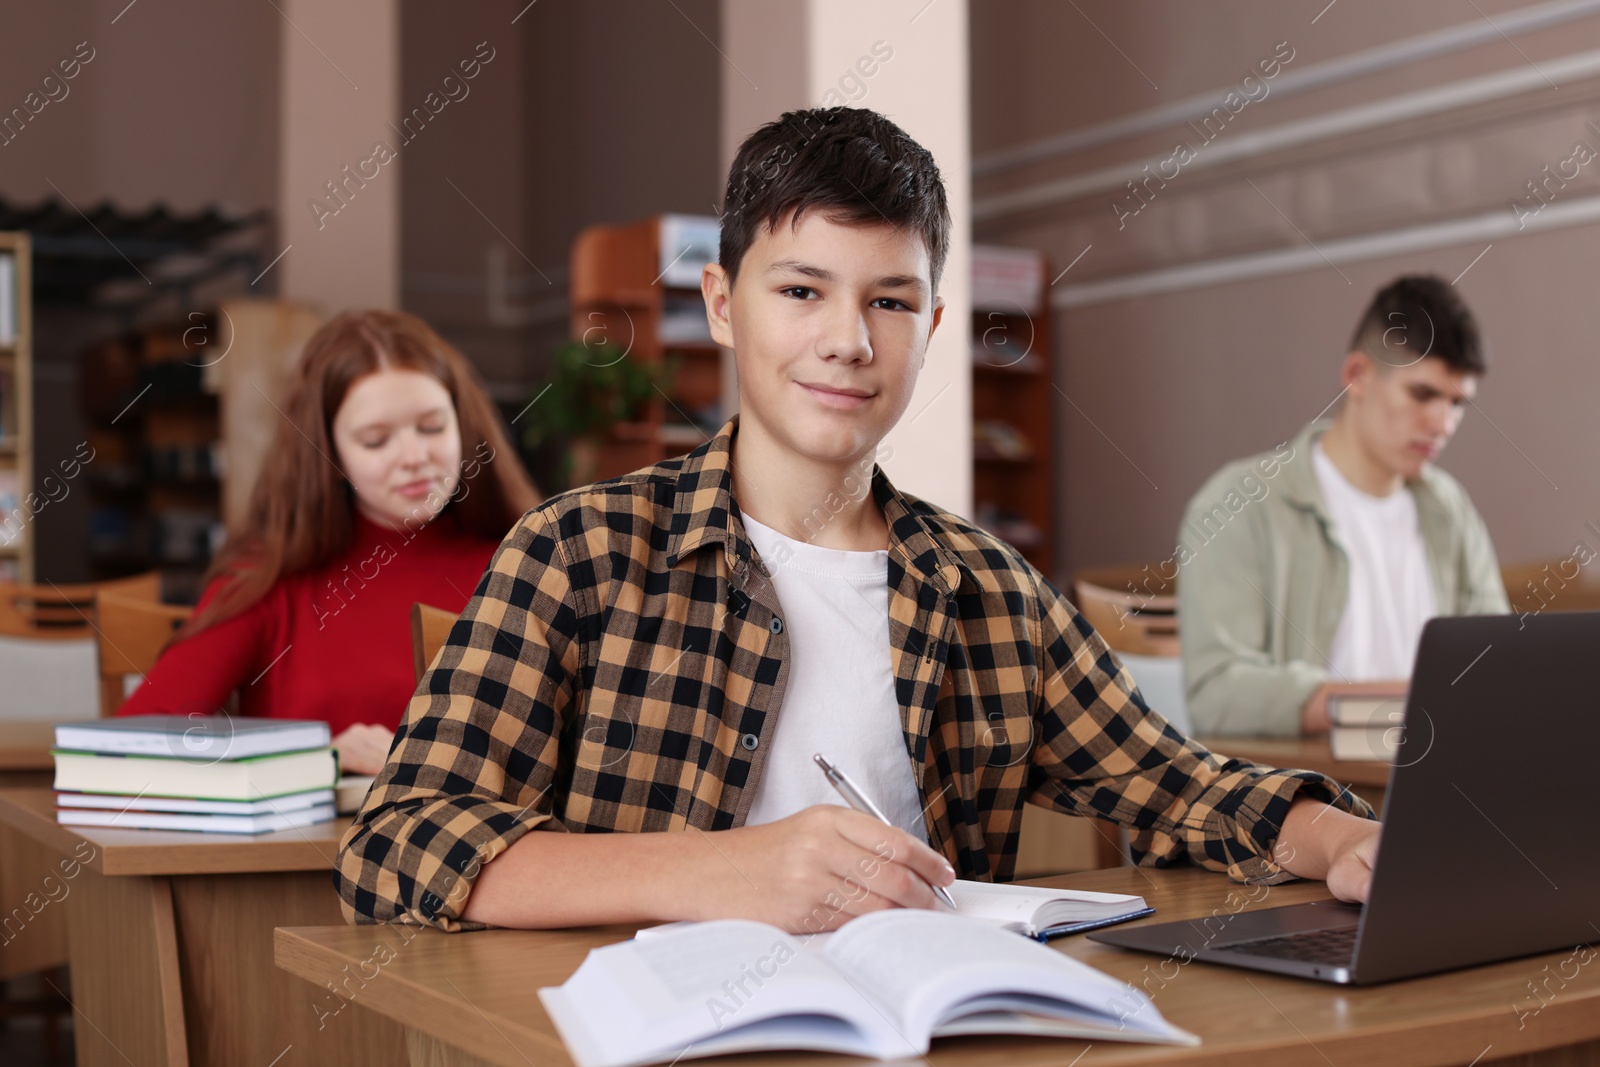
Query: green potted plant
x=591, y=390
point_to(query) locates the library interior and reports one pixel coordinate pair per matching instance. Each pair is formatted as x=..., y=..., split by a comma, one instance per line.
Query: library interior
x=426, y=427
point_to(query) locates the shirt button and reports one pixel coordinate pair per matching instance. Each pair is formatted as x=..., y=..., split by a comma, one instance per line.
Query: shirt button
x=750, y=741
x=776, y=626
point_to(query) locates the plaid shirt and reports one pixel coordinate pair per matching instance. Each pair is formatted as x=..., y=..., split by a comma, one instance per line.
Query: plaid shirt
x=621, y=665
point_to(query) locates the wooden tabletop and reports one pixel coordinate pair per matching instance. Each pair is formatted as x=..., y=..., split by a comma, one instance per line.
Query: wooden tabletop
x=25, y=745
x=449, y=985
x=169, y=852
x=1302, y=754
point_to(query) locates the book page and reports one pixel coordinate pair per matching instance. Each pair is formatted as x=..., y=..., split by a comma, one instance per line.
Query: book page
x=695, y=988
x=1025, y=906
x=915, y=962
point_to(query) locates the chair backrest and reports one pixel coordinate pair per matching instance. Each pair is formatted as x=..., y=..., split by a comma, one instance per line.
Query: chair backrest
x=64, y=612
x=1132, y=607
x=1552, y=585
x=430, y=626
x=130, y=633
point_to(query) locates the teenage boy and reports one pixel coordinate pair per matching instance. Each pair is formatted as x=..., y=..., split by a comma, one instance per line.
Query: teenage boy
x=1321, y=586
x=667, y=650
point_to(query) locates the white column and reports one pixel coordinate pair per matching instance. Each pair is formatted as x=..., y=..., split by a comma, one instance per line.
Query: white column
x=810, y=53
x=340, y=153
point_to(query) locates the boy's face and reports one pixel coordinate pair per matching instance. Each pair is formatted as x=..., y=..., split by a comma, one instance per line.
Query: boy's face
x=829, y=323
x=1405, y=415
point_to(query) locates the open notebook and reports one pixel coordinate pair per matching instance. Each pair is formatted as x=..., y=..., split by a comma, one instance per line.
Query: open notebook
x=1044, y=913
x=884, y=985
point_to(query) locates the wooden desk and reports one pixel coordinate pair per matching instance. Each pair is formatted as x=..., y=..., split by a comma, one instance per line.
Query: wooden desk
x=1368, y=779
x=170, y=938
x=41, y=944
x=472, y=998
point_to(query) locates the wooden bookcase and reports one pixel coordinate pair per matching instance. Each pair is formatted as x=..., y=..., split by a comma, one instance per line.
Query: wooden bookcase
x=181, y=415
x=16, y=410
x=1013, y=487
x=637, y=287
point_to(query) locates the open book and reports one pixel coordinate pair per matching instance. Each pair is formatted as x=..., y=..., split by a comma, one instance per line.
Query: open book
x=884, y=985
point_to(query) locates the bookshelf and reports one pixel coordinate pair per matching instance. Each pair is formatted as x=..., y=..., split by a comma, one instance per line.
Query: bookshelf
x=637, y=286
x=182, y=415
x=1012, y=401
x=17, y=500
x=155, y=485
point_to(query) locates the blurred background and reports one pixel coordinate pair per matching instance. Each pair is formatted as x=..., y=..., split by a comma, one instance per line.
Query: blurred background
x=212, y=180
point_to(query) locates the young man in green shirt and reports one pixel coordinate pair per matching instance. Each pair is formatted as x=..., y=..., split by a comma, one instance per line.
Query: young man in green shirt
x=626, y=665
x=1316, y=579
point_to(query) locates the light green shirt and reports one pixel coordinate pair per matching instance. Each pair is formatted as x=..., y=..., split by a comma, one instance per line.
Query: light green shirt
x=1263, y=582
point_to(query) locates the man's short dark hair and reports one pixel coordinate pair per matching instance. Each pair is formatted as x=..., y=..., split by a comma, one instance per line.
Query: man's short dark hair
x=853, y=165
x=1420, y=315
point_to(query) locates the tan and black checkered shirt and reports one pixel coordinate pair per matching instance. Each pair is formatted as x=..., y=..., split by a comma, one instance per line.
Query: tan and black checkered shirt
x=621, y=666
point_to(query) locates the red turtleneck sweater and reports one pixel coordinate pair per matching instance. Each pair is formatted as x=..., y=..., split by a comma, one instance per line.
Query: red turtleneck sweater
x=332, y=643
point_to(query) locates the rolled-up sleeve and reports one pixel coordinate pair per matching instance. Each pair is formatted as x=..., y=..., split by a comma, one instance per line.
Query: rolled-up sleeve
x=475, y=764
x=1104, y=753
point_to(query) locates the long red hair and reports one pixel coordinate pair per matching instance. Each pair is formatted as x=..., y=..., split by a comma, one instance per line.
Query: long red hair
x=302, y=510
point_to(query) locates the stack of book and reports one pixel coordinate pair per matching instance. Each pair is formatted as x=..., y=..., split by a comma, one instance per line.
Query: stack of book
x=208, y=773
x=1366, y=728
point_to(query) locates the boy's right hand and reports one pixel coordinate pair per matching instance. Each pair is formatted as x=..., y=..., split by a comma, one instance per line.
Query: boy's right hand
x=817, y=869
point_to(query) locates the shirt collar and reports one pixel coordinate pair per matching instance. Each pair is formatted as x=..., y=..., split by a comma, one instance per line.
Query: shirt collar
x=704, y=514
x=1300, y=483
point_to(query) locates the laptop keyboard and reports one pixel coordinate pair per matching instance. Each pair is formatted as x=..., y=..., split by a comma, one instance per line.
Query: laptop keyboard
x=1335, y=947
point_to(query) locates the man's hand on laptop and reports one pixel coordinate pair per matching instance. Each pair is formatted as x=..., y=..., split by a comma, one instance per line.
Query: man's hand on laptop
x=1318, y=841
x=1314, y=715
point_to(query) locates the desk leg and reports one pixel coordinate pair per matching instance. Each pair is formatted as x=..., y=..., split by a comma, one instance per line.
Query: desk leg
x=428, y=1051
x=242, y=1009
x=29, y=876
x=126, y=991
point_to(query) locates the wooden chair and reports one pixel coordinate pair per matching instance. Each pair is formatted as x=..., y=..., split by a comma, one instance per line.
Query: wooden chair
x=64, y=611
x=47, y=647
x=1545, y=586
x=1135, y=610
x=130, y=633
x=1132, y=607
x=430, y=626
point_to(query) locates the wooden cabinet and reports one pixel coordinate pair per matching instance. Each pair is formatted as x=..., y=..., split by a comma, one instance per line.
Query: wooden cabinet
x=637, y=287
x=18, y=500
x=1013, y=487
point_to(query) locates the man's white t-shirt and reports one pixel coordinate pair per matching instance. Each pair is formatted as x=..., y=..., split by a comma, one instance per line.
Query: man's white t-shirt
x=840, y=697
x=1391, y=595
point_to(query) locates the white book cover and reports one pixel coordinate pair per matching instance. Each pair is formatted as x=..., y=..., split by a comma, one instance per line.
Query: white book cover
x=210, y=824
x=187, y=806
x=216, y=737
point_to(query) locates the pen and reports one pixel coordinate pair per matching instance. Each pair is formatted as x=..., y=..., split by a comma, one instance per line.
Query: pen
x=858, y=800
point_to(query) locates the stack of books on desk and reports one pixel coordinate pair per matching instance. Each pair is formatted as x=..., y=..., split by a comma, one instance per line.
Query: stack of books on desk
x=1366, y=728
x=208, y=773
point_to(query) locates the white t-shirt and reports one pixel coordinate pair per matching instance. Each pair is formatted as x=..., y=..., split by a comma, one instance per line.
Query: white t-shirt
x=840, y=697
x=1391, y=595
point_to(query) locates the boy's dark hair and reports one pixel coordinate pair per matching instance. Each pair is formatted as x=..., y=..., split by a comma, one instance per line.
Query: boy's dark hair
x=1420, y=315
x=853, y=165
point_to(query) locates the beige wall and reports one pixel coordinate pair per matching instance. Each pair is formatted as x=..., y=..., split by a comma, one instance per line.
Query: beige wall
x=599, y=112
x=813, y=54
x=177, y=107
x=340, y=162
x=1179, y=383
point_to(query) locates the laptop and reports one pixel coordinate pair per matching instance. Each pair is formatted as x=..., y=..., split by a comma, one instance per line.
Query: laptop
x=1489, y=821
